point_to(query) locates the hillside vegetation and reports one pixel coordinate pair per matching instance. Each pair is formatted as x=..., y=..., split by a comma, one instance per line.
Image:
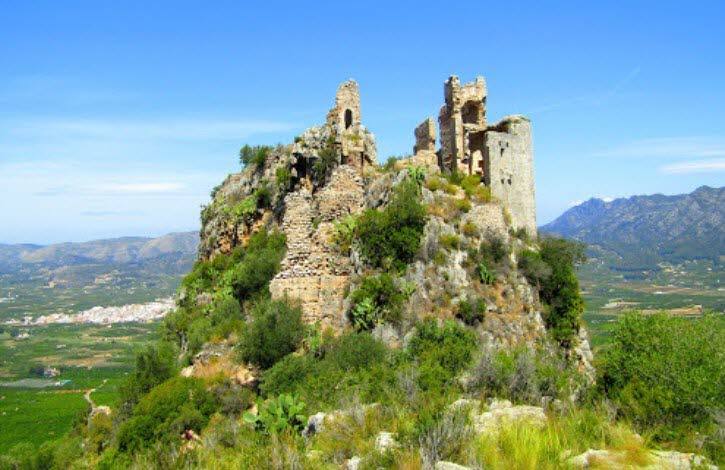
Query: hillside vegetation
x=459, y=342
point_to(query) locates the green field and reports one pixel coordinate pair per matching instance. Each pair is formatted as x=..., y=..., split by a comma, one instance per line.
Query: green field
x=608, y=292
x=86, y=355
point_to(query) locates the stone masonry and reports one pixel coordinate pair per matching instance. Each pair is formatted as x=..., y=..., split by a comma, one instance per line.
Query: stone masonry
x=501, y=154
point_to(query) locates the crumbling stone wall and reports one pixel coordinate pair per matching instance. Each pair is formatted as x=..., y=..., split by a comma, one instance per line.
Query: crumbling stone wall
x=355, y=143
x=313, y=272
x=502, y=154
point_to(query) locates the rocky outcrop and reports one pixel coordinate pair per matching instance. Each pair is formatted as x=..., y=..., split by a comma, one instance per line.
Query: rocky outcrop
x=654, y=460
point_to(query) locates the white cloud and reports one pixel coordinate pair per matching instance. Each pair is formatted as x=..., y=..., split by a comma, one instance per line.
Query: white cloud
x=699, y=166
x=576, y=203
x=607, y=198
x=669, y=147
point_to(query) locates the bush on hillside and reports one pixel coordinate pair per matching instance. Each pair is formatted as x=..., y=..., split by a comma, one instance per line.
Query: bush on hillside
x=168, y=410
x=441, y=351
x=665, y=371
x=278, y=415
x=553, y=271
x=275, y=331
x=230, y=280
x=390, y=238
x=154, y=364
x=377, y=300
x=351, y=361
x=254, y=155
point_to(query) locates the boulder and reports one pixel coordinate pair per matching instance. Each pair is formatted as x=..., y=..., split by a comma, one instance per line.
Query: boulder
x=385, y=441
x=442, y=465
x=503, y=412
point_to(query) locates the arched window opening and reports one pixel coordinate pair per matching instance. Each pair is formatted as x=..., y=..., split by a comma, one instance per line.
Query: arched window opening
x=348, y=118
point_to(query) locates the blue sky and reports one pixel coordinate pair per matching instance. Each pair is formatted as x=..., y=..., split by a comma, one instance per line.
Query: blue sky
x=117, y=118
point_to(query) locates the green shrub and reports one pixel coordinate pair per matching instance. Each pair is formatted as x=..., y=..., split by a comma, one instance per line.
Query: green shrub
x=283, y=177
x=344, y=232
x=377, y=299
x=472, y=312
x=521, y=375
x=434, y=183
x=326, y=160
x=470, y=229
x=560, y=291
x=254, y=155
x=391, y=237
x=463, y=205
x=450, y=241
x=262, y=257
x=441, y=351
x=352, y=364
x=665, y=371
x=263, y=196
x=154, y=364
x=417, y=174
x=244, y=210
x=286, y=374
x=275, y=331
x=390, y=163
x=484, y=274
x=493, y=251
x=169, y=409
x=278, y=415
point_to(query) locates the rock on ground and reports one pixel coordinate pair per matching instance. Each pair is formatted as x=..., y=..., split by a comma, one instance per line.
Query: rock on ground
x=671, y=460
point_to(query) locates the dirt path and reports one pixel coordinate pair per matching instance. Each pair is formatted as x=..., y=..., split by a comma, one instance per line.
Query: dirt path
x=87, y=395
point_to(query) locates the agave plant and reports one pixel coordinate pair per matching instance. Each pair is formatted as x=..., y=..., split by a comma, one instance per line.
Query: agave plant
x=278, y=414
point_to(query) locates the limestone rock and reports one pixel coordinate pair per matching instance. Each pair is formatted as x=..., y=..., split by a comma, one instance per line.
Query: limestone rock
x=603, y=458
x=315, y=424
x=352, y=463
x=443, y=465
x=503, y=412
x=385, y=441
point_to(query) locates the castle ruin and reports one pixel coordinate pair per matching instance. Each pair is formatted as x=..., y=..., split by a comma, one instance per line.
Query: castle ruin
x=501, y=154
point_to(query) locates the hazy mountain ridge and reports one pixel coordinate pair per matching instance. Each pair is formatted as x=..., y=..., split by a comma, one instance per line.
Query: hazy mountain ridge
x=646, y=230
x=124, y=250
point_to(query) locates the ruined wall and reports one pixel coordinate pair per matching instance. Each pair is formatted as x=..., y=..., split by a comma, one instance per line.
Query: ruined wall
x=464, y=112
x=346, y=112
x=313, y=272
x=510, y=171
x=354, y=142
x=425, y=136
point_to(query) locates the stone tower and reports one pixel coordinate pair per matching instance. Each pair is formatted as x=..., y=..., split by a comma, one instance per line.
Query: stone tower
x=356, y=144
x=501, y=154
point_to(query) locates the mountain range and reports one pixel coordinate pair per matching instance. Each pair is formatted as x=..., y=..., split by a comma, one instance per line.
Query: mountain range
x=117, y=251
x=643, y=231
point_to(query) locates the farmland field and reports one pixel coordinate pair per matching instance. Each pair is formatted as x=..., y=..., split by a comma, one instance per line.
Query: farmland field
x=87, y=356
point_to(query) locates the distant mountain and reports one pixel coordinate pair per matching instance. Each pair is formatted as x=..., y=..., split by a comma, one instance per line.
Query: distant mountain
x=116, y=251
x=645, y=230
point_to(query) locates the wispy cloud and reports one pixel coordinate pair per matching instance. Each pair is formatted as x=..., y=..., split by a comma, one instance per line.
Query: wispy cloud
x=669, y=147
x=699, y=166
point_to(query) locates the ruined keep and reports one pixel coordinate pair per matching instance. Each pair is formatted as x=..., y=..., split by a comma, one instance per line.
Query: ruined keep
x=501, y=154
